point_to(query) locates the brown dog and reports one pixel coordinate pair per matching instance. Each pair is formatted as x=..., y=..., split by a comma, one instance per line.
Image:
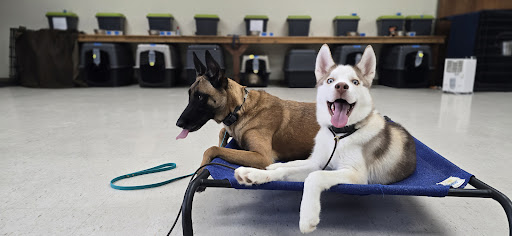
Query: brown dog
x=269, y=128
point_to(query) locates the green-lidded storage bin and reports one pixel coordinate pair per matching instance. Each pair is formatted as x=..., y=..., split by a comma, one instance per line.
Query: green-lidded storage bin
x=111, y=21
x=160, y=21
x=384, y=23
x=206, y=24
x=62, y=20
x=251, y=22
x=298, y=25
x=421, y=24
x=344, y=24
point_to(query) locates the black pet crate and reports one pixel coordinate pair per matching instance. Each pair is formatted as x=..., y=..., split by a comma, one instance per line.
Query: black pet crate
x=160, y=21
x=111, y=21
x=405, y=66
x=484, y=35
x=156, y=65
x=200, y=51
x=206, y=24
x=106, y=64
x=385, y=24
x=255, y=71
x=345, y=24
x=298, y=25
x=421, y=24
x=249, y=19
x=299, y=68
x=348, y=54
x=70, y=19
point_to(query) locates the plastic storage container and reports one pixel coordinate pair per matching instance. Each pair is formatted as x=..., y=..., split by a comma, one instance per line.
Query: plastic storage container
x=405, y=66
x=299, y=68
x=482, y=34
x=206, y=24
x=200, y=51
x=386, y=24
x=156, y=65
x=255, y=23
x=255, y=71
x=106, y=64
x=421, y=24
x=298, y=25
x=344, y=24
x=111, y=21
x=62, y=20
x=348, y=54
x=159, y=21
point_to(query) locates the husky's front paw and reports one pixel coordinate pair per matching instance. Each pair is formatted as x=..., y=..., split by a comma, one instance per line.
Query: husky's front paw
x=307, y=224
x=249, y=176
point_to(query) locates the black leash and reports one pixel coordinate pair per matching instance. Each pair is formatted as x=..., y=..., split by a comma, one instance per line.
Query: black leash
x=347, y=130
x=193, y=175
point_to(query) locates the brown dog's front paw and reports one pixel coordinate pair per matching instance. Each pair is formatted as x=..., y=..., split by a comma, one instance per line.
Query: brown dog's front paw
x=208, y=155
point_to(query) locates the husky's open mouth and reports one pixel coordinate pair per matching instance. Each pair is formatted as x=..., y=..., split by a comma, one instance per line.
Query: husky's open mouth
x=340, y=111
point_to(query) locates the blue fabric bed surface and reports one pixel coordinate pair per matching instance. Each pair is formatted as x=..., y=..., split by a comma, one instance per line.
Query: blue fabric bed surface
x=431, y=168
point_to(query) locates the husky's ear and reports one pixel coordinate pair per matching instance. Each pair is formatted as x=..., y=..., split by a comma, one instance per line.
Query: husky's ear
x=367, y=65
x=214, y=73
x=324, y=62
x=200, y=68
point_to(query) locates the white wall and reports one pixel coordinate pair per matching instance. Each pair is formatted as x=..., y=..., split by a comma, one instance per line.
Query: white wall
x=31, y=13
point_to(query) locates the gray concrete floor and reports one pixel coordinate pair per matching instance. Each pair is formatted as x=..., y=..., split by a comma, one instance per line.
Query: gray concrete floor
x=60, y=148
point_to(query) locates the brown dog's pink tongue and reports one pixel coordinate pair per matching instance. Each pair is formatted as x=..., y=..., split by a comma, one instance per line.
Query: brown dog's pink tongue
x=340, y=118
x=183, y=134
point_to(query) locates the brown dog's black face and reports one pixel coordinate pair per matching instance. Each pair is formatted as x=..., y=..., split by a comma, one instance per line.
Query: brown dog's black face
x=205, y=95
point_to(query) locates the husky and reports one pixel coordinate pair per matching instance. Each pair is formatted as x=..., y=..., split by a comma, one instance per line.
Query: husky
x=367, y=148
x=268, y=128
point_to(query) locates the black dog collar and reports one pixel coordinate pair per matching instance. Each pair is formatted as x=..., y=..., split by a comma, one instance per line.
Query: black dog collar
x=343, y=130
x=232, y=117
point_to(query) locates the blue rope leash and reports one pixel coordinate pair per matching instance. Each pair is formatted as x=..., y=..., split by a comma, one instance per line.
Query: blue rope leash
x=156, y=169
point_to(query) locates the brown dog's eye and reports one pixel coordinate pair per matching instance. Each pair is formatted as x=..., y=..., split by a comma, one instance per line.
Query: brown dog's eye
x=330, y=81
x=356, y=82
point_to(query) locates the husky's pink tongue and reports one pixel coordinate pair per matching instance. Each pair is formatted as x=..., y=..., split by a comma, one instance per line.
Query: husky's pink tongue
x=183, y=134
x=340, y=118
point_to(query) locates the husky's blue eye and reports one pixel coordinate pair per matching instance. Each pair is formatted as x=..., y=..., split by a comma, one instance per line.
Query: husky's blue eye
x=356, y=82
x=330, y=81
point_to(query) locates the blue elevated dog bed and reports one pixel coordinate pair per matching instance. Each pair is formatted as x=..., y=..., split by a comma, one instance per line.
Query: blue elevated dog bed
x=431, y=169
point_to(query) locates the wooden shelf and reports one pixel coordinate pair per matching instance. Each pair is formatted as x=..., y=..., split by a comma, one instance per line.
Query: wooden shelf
x=263, y=40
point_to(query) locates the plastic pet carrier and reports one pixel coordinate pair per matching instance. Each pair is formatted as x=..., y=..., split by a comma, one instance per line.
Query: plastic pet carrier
x=200, y=51
x=389, y=24
x=255, y=23
x=348, y=54
x=299, y=68
x=111, y=21
x=62, y=20
x=255, y=71
x=160, y=22
x=106, y=64
x=206, y=24
x=405, y=66
x=156, y=65
x=344, y=24
x=487, y=35
x=421, y=24
x=298, y=25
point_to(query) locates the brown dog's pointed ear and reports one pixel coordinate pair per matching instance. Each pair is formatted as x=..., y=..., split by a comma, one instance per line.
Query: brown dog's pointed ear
x=367, y=65
x=214, y=73
x=324, y=62
x=200, y=68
